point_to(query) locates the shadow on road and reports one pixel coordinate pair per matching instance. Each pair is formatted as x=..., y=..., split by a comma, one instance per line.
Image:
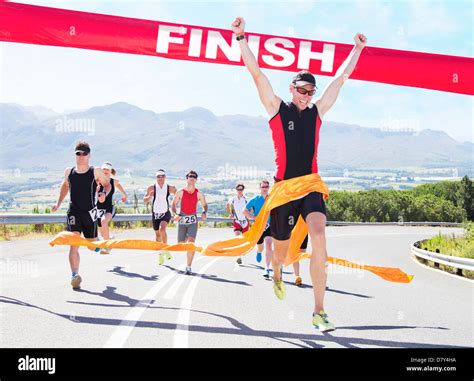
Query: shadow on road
x=111, y=294
x=240, y=329
x=328, y=289
x=118, y=270
x=303, y=286
x=386, y=327
x=214, y=278
x=258, y=267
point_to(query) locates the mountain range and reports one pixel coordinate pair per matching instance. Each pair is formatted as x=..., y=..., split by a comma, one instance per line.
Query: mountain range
x=137, y=139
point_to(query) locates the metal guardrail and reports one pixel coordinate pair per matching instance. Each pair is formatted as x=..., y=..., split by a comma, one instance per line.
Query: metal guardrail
x=14, y=219
x=408, y=223
x=456, y=262
x=442, y=259
x=25, y=218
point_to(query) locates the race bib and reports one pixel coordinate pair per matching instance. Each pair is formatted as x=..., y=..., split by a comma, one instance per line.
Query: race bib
x=267, y=226
x=188, y=220
x=243, y=223
x=94, y=213
x=159, y=216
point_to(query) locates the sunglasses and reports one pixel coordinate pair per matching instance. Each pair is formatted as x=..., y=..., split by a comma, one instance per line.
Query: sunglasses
x=240, y=189
x=264, y=186
x=82, y=153
x=191, y=177
x=303, y=91
x=160, y=176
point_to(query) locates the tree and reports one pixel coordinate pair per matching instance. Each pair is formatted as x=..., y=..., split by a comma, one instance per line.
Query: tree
x=465, y=197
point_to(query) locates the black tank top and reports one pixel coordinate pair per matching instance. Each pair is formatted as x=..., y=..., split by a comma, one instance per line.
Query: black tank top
x=82, y=189
x=107, y=204
x=295, y=140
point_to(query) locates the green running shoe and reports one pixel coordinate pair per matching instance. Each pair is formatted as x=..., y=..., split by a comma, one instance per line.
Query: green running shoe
x=161, y=258
x=321, y=322
x=167, y=255
x=279, y=289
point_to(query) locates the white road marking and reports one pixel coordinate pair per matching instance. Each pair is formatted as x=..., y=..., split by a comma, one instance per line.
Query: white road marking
x=123, y=331
x=181, y=334
x=170, y=294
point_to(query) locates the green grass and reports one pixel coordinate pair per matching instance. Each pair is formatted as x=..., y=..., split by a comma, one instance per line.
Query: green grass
x=453, y=246
x=11, y=232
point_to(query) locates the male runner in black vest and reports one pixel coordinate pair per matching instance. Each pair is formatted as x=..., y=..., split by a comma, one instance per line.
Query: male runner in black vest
x=81, y=182
x=295, y=129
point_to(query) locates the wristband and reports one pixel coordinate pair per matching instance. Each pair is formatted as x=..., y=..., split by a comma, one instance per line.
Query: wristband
x=240, y=37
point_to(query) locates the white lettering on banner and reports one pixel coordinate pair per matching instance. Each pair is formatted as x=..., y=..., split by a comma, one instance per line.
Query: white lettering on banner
x=326, y=57
x=254, y=44
x=277, y=51
x=215, y=40
x=271, y=46
x=195, y=43
x=164, y=37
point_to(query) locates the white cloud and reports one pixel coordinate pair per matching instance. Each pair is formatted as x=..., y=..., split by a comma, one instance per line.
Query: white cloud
x=429, y=19
x=291, y=31
x=330, y=34
x=143, y=9
x=294, y=7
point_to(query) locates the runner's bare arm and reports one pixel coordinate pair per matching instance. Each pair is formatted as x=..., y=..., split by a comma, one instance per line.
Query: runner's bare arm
x=203, y=202
x=265, y=91
x=149, y=194
x=176, y=200
x=99, y=175
x=120, y=188
x=331, y=92
x=229, y=209
x=247, y=213
x=101, y=195
x=63, y=191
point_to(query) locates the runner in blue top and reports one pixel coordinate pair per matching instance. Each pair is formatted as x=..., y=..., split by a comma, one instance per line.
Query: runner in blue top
x=252, y=209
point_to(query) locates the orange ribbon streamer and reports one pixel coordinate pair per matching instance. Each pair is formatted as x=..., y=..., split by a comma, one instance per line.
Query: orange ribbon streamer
x=281, y=193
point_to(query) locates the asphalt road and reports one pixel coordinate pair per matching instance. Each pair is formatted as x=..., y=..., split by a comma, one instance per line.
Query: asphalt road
x=127, y=300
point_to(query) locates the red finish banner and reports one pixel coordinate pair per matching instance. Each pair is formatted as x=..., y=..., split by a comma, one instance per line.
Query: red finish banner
x=30, y=24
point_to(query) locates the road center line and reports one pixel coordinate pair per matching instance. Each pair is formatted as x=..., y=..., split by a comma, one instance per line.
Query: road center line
x=123, y=331
x=181, y=334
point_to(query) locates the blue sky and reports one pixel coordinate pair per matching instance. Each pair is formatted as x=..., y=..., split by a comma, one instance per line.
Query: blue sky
x=68, y=79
